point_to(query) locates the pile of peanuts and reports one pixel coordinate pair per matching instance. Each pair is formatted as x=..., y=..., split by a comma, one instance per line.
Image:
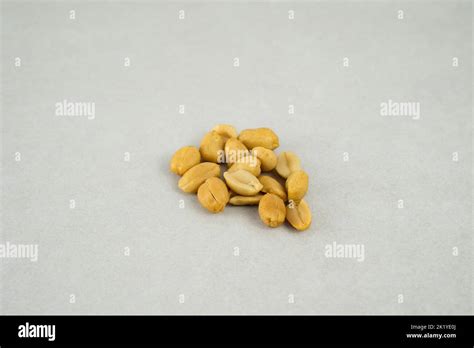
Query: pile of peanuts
x=246, y=156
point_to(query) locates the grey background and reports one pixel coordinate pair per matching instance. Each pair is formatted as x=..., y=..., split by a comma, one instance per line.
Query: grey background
x=188, y=251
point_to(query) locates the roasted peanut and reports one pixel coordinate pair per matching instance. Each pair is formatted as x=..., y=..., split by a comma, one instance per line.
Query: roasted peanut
x=226, y=130
x=212, y=147
x=213, y=195
x=299, y=215
x=183, y=159
x=271, y=185
x=287, y=163
x=271, y=209
x=245, y=200
x=297, y=185
x=243, y=182
x=234, y=150
x=194, y=177
x=264, y=137
x=267, y=158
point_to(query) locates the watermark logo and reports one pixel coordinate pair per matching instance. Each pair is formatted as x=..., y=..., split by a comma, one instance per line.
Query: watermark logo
x=68, y=108
x=237, y=156
x=37, y=331
x=393, y=108
x=345, y=251
x=19, y=251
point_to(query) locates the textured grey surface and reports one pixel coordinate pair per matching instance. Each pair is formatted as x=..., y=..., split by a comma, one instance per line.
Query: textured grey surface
x=189, y=62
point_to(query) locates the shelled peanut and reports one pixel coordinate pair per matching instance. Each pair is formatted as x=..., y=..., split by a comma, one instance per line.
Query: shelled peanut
x=246, y=155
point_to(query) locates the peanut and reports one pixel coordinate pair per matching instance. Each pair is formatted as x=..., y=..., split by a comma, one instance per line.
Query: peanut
x=245, y=200
x=264, y=137
x=234, y=150
x=267, y=158
x=287, y=163
x=213, y=195
x=184, y=159
x=272, y=210
x=212, y=147
x=299, y=215
x=194, y=177
x=225, y=130
x=297, y=185
x=271, y=185
x=243, y=182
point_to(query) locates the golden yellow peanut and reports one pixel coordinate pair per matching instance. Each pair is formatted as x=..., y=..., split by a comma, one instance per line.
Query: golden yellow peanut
x=264, y=137
x=272, y=210
x=184, y=158
x=194, y=177
x=245, y=200
x=225, y=130
x=213, y=195
x=299, y=215
x=212, y=147
x=287, y=163
x=234, y=150
x=297, y=185
x=243, y=182
x=271, y=185
x=249, y=163
x=266, y=156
